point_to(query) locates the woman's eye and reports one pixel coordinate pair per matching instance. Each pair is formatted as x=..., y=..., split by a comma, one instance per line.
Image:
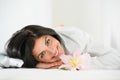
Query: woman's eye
x=42, y=54
x=48, y=42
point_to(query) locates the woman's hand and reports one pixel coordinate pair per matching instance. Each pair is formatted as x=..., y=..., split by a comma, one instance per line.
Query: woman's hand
x=49, y=65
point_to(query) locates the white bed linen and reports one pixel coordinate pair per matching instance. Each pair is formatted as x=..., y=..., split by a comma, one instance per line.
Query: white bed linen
x=55, y=74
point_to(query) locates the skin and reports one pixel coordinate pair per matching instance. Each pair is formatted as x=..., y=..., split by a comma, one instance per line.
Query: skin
x=47, y=51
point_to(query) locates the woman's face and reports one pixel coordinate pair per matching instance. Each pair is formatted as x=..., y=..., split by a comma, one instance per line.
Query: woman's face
x=47, y=49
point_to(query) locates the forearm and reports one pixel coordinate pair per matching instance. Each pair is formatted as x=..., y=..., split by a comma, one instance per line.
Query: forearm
x=104, y=57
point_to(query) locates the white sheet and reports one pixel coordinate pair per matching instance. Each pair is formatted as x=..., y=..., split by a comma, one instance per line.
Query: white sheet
x=55, y=74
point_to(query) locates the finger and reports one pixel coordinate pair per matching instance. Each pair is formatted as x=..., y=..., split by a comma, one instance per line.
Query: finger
x=46, y=65
x=43, y=65
x=55, y=67
x=58, y=63
x=49, y=65
x=55, y=59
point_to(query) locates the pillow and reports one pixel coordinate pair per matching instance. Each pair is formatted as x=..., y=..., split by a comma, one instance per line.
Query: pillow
x=6, y=61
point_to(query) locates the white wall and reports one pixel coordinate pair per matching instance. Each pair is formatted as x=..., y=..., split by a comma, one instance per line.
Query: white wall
x=93, y=16
x=112, y=23
x=100, y=18
x=85, y=14
x=15, y=14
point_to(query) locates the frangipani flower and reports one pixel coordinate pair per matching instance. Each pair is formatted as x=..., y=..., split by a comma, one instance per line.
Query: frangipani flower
x=75, y=61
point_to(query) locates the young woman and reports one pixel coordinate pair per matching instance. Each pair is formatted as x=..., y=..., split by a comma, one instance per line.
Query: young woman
x=41, y=47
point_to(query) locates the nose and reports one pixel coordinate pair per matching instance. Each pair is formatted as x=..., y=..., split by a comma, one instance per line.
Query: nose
x=52, y=51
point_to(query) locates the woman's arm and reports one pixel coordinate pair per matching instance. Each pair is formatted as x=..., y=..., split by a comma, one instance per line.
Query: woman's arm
x=103, y=57
x=49, y=65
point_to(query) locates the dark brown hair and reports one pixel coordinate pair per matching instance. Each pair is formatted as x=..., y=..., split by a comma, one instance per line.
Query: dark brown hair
x=21, y=44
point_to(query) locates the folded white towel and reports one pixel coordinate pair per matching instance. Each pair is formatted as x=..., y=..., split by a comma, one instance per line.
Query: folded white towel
x=6, y=61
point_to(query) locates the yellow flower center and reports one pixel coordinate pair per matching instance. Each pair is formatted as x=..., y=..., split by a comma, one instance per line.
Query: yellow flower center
x=74, y=61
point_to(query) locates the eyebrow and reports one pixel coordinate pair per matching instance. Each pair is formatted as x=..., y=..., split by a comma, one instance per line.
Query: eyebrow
x=45, y=39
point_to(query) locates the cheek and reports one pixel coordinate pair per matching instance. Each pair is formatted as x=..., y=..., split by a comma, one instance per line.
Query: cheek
x=54, y=43
x=47, y=58
x=61, y=49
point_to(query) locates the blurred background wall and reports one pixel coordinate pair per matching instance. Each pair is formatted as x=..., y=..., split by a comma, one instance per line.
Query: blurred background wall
x=100, y=18
x=15, y=14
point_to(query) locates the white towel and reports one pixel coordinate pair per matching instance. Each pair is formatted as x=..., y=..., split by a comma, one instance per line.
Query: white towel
x=6, y=61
